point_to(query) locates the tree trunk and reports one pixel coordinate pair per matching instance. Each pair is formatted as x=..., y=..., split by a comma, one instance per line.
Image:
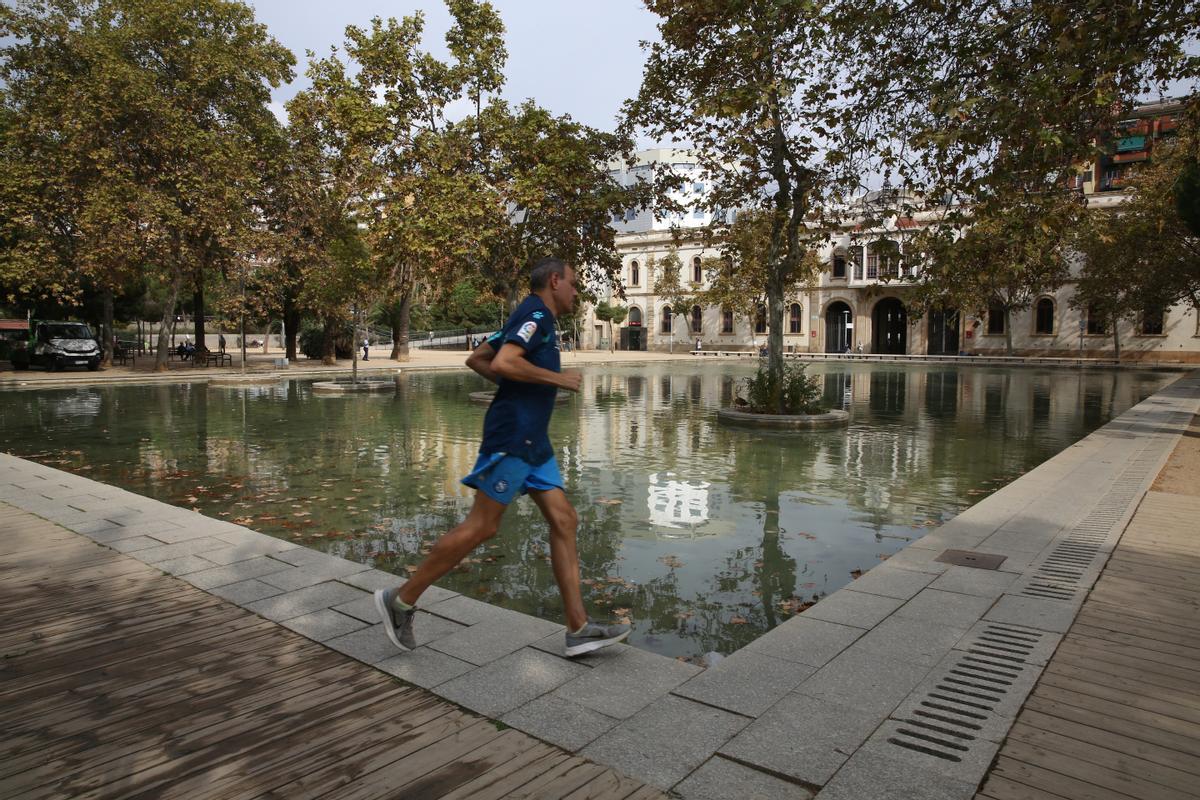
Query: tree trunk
x=611, y=348
x=775, y=342
x=291, y=325
x=1116, y=341
x=198, y=312
x=404, y=317
x=328, y=346
x=1008, y=348
x=394, y=324
x=106, y=328
x=167, y=324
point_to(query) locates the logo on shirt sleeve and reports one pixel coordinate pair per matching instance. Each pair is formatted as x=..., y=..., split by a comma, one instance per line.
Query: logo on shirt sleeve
x=526, y=331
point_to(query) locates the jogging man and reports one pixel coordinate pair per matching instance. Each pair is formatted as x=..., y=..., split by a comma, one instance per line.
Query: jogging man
x=515, y=458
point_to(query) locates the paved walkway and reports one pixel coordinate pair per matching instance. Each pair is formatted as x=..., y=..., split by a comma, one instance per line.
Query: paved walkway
x=875, y=692
x=121, y=681
x=1116, y=714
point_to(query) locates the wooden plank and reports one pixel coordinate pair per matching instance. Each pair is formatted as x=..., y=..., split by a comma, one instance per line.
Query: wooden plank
x=498, y=782
x=1146, y=731
x=999, y=787
x=1146, y=751
x=608, y=785
x=1052, y=782
x=453, y=774
x=1133, y=686
x=1111, y=778
x=1087, y=753
x=1151, y=704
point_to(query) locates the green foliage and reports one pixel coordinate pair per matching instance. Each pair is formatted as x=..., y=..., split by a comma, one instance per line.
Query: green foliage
x=312, y=342
x=132, y=131
x=801, y=393
x=613, y=314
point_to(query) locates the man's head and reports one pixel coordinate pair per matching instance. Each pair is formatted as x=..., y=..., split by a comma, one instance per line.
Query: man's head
x=553, y=280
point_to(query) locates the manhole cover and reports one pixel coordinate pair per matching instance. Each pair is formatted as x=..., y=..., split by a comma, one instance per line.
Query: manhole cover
x=969, y=558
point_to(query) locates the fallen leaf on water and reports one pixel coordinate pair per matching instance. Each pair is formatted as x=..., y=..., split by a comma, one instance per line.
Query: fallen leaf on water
x=410, y=568
x=883, y=556
x=608, y=501
x=856, y=573
x=670, y=561
x=738, y=620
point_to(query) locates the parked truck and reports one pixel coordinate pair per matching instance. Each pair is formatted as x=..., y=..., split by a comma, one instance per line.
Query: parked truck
x=55, y=345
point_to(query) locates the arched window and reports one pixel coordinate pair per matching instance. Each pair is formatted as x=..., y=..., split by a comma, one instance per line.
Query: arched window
x=666, y=319
x=839, y=265
x=635, y=274
x=635, y=316
x=995, y=319
x=726, y=321
x=697, y=271
x=760, y=320
x=696, y=319
x=1044, y=316
x=794, y=318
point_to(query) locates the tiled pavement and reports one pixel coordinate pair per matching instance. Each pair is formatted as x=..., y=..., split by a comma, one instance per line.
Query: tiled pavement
x=863, y=696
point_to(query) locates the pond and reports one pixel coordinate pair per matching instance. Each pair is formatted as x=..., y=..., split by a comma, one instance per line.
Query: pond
x=703, y=537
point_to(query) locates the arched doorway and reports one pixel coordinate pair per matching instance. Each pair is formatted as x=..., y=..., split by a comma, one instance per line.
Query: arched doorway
x=635, y=339
x=839, y=328
x=943, y=332
x=890, y=322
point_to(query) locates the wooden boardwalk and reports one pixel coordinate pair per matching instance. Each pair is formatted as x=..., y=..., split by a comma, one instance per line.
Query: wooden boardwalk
x=118, y=681
x=1116, y=715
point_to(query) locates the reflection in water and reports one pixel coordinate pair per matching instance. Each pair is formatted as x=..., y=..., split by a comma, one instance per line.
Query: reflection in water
x=704, y=536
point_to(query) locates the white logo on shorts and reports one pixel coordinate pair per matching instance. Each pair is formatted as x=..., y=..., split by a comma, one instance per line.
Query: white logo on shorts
x=500, y=486
x=526, y=330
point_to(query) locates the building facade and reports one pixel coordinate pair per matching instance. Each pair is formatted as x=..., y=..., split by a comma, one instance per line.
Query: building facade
x=859, y=301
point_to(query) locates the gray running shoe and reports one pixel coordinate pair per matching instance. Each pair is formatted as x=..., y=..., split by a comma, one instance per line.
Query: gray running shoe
x=397, y=624
x=593, y=637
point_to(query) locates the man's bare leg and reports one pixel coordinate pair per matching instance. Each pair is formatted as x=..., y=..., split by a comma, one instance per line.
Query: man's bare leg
x=564, y=557
x=480, y=525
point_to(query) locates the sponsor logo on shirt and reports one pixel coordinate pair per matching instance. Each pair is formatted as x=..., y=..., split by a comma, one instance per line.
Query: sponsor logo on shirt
x=526, y=331
x=500, y=486
x=538, y=315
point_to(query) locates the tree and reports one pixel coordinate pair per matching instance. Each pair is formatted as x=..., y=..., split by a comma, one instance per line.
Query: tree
x=612, y=314
x=551, y=178
x=986, y=110
x=668, y=285
x=737, y=279
x=137, y=123
x=1143, y=254
x=750, y=86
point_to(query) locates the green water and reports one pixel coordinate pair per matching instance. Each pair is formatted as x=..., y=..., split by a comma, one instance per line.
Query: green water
x=704, y=537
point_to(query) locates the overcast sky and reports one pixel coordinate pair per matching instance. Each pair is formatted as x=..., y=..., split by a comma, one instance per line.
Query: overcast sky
x=577, y=57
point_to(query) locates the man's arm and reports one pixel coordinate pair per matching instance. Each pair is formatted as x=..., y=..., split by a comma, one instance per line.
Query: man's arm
x=480, y=360
x=510, y=363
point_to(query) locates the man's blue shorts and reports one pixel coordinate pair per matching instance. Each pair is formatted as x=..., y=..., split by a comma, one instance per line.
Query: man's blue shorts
x=504, y=478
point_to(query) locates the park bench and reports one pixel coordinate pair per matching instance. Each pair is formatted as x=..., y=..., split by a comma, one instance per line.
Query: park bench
x=124, y=352
x=210, y=358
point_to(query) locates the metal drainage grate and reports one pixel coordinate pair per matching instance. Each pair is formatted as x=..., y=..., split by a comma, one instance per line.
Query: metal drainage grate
x=949, y=718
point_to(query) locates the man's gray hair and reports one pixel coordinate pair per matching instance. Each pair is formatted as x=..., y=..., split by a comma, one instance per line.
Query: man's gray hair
x=539, y=276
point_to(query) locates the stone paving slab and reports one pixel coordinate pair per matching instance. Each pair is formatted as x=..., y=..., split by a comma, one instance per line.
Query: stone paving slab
x=722, y=779
x=323, y=625
x=509, y=682
x=746, y=683
x=561, y=722
x=803, y=737
x=806, y=640
x=424, y=667
x=862, y=679
x=629, y=680
x=666, y=741
x=304, y=601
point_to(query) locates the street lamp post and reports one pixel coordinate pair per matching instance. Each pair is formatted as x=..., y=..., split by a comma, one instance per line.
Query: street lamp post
x=242, y=315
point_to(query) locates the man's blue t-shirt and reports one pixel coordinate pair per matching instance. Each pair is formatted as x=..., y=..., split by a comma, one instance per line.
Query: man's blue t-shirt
x=518, y=421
